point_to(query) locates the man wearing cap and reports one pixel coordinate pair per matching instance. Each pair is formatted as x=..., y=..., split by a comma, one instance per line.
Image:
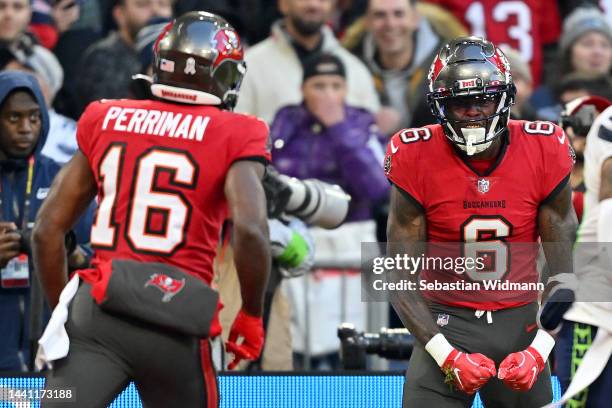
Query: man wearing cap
x=325, y=138
x=275, y=64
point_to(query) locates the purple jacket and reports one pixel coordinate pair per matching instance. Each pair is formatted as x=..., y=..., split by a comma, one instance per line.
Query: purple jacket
x=349, y=154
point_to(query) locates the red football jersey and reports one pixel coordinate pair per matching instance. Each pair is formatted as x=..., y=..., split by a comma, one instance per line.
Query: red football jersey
x=524, y=25
x=499, y=206
x=161, y=170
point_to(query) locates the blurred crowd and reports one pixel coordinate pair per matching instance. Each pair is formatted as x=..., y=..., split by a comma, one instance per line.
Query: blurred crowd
x=333, y=79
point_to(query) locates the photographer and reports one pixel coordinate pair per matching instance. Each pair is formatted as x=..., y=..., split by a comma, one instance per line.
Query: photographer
x=25, y=178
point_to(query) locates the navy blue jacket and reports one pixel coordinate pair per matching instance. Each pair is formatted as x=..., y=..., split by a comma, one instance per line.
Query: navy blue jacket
x=14, y=303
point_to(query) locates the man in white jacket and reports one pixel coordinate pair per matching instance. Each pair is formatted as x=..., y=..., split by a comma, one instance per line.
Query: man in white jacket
x=274, y=76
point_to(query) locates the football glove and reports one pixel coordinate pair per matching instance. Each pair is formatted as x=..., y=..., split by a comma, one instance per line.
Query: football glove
x=246, y=338
x=466, y=372
x=519, y=371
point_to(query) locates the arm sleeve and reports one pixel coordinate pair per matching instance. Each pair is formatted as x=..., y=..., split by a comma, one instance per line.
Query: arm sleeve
x=402, y=170
x=251, y=141
x=559, y=158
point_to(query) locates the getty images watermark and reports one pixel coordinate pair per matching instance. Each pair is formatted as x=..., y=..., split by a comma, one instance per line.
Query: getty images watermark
x=458, y=272
x=457, y=265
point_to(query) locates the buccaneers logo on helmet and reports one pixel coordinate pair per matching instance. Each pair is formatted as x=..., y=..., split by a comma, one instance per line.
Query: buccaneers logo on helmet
x=227, y=44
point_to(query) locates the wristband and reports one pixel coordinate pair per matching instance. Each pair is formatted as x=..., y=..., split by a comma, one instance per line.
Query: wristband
x=543, y=343
x=439, y=348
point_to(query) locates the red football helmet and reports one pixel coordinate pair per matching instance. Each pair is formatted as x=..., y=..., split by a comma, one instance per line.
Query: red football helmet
x=198, y=59
x=471, y=67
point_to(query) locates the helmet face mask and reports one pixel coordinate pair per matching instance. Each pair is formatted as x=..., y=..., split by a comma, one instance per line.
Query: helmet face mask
x=470, y=92
x=198, y=59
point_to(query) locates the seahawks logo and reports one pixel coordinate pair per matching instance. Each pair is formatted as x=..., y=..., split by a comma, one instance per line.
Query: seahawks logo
x=572, y=153
x=388, y=164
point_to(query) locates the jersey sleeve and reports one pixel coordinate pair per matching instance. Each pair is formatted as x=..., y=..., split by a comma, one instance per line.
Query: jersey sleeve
x=558, y=159
x=402, y=170
x=251, y=141
x=86, y=128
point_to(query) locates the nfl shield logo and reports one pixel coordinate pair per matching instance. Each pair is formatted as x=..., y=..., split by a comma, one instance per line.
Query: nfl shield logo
x=483, y=185
x=442, y=320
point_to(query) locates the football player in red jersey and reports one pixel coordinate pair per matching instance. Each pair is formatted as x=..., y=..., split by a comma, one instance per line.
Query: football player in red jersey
x=166, y=172
x=478, y=176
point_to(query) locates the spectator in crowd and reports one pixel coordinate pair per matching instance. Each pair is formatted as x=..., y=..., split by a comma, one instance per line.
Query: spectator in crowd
x=523, y=81
x=585, y=47
x=14, y=19
x=326, y=138
x=275, y=65
x=108, y=65
x=586, y=43
x=51, y=18
x=339, y=140
x=398, y=44
x=61, y=141
x=26, y=176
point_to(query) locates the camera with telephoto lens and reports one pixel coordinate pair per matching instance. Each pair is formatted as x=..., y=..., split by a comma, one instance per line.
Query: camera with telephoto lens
x=394, y=344
x=313, y=201
x=25, y=241
x=580, y=121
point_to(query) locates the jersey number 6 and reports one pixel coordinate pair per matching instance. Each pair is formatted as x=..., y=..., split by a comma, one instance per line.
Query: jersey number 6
x=483, y=238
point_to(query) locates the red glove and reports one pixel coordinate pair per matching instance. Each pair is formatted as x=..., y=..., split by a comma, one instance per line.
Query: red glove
x=249, y=331
x=468, y=372
x=519, y=371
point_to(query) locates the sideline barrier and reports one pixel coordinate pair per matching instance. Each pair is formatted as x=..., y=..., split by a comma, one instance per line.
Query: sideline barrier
x=279, y=390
